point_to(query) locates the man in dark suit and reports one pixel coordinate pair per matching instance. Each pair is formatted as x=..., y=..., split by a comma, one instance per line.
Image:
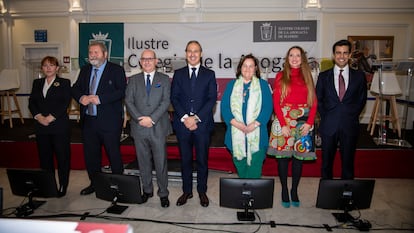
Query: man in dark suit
x=342, y=94
x=147, y=99
x=100, y=89
x=193, y=96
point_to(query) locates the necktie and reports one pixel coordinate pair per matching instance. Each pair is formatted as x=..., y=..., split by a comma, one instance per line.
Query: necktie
x=193, y=77
x=92, y=87
x=193, y=81
x=341, y=85
x=148, y=86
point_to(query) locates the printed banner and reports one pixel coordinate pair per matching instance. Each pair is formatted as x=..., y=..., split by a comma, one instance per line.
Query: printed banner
x=223, y=44
x=111, y=34
x=274, y=31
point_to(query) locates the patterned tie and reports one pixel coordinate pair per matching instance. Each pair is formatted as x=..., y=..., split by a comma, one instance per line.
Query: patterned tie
x=148, y=86
x=91, y=107
x=341, y=85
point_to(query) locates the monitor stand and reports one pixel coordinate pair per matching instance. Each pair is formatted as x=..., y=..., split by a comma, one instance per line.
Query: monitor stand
x=245, y=215
x=28, y=208
x=116, y=209
x=343, y=217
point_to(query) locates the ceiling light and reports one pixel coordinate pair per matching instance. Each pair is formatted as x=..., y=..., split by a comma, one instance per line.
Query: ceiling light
x=75, y=5
x=313, y=4
x=190, y=4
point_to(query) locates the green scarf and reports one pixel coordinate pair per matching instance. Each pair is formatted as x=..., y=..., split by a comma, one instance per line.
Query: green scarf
x=254, y=105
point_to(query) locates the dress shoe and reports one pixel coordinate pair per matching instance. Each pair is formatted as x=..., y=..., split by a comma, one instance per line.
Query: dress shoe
x=88, y=190
x=183, y=198
x=285, y=204
x=62, y=191
x=295, y=198
x=146, y=196
x=295, y=203
x=164, y=202
x=203, y=199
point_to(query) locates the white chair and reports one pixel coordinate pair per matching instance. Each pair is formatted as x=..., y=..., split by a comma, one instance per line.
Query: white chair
x=9, y=83
x=390, y=89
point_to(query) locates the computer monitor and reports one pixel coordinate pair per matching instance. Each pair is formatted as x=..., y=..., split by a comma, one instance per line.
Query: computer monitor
x=247, y=194
x=346, y=195
x=32, y=183
x=117, y=188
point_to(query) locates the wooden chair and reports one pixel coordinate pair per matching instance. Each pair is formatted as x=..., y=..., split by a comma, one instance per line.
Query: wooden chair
x=390, y=89
x=9, y=83
x=74, y=109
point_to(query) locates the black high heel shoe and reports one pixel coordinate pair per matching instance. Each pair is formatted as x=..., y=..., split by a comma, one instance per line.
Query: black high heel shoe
x=62, y=191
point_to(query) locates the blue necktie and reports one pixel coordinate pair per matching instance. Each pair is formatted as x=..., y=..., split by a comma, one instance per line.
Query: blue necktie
x=91, y=107
x=148, y=86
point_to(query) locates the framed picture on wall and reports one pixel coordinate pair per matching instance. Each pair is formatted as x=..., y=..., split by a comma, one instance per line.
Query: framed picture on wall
x=368, y=49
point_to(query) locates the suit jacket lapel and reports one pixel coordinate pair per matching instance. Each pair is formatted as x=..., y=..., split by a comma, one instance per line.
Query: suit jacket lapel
x=155, y=80
x=102, y=79
x=52, y=88
x=351, y=83
x=331, y=83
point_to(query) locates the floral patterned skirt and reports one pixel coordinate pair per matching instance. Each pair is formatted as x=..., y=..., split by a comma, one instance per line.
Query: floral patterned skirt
x=296, y=145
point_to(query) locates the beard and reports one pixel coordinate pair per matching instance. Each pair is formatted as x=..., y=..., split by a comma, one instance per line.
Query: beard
x=95, y=62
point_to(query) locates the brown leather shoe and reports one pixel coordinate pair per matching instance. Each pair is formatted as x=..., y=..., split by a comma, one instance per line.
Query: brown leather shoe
x=203, y=199
x=183, y=198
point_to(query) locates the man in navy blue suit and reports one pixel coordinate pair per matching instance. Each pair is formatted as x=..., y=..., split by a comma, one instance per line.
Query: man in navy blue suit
x=100, y=89
x=342, y=94
x=193, y=96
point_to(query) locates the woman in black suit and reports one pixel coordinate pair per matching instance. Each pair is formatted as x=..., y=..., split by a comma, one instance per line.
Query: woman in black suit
x=48, y=103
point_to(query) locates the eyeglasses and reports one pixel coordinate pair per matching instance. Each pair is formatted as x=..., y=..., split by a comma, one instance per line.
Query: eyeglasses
x=147, y=59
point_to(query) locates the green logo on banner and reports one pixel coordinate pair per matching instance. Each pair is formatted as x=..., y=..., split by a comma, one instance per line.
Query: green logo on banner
x=111, y=34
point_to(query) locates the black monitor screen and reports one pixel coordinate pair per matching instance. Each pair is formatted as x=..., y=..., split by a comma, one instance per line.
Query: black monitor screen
x=125, y=188
x=236, y=193
x=36, y=183
x=345, y=194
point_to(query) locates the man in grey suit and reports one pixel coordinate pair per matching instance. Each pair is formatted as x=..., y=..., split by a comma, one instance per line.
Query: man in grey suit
x=147, y=99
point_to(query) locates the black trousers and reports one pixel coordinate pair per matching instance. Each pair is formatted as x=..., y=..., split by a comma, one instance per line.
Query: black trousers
x=49, y=145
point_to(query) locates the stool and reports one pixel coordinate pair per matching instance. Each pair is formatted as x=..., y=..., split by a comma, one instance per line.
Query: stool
x=74, y=110
x=9, y=83
x=393, y=117
x=390, y=89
